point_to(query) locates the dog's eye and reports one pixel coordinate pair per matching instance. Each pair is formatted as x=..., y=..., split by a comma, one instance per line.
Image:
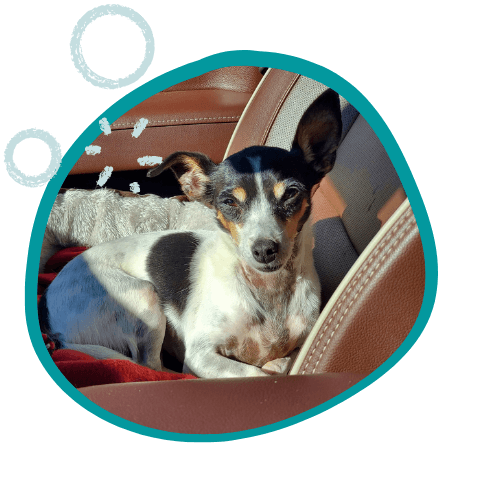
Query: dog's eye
x=290, y=193
x=229, y=202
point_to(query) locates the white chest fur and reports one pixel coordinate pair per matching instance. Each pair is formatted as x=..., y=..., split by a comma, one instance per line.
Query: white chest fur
x=246, y=315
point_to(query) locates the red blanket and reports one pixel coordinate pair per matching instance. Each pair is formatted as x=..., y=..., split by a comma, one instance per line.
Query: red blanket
x=81, y=369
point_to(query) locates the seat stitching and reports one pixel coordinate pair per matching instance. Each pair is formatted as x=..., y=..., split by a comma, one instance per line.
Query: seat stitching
x=179, y=120
x=355, y=297
x=383, y=245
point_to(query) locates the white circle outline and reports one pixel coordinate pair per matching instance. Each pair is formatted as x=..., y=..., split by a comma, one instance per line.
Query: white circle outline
x=46, y=175
x=76, y=49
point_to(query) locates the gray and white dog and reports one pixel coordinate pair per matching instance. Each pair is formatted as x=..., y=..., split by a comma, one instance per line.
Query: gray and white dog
x=234, y=300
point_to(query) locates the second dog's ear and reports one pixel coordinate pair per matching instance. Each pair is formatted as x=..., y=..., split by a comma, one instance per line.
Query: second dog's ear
x=192, y=171
x=319, y=132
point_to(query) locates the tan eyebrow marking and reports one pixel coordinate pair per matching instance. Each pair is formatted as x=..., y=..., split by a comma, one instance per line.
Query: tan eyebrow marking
x=240, y=194
x=230, y=226
x=279, y=190
x=293, y=222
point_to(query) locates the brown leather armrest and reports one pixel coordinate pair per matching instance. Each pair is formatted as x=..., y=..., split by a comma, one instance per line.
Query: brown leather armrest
x=218, y=406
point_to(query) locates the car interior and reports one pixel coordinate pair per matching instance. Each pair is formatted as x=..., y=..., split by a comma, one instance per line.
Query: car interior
x=367, y=247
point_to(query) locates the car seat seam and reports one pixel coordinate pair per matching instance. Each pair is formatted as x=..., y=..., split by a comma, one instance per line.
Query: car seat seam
x=179, y=120
x=362, y=272
x=265, y=135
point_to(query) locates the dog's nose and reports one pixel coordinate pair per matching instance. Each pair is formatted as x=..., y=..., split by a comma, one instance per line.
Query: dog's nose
x=265, y=251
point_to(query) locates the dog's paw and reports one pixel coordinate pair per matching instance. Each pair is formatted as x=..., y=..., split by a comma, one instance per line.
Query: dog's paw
x=279, y=366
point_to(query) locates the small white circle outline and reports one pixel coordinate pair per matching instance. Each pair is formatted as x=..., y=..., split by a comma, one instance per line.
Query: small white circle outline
x=45, y=176
x=77, y=54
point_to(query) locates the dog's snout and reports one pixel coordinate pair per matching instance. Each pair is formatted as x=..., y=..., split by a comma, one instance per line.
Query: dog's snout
x=265, y=251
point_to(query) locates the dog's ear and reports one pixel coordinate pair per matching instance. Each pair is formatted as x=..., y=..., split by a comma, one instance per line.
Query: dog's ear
x=192, y=171
x=319, y=132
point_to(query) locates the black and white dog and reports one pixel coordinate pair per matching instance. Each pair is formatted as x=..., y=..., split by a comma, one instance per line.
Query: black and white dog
x=229, y=302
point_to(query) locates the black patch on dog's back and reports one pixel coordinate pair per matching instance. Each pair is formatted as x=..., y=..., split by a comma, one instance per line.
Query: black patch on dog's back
x=169, y=264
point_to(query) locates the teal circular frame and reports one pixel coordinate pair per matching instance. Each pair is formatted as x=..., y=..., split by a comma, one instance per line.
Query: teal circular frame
x=224, y=59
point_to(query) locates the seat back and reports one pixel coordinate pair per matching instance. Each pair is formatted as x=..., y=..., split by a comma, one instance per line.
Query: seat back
x=355, y=198
x=362, y=269
x=199, y=114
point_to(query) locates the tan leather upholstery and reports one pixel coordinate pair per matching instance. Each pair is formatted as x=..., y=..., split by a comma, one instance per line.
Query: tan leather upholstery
x=197, y=115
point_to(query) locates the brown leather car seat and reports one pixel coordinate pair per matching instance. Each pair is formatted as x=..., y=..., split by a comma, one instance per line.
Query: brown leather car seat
x=199, y=114
x=370, y=261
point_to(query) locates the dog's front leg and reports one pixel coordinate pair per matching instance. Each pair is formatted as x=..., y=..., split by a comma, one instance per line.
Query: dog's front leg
x=207, y=363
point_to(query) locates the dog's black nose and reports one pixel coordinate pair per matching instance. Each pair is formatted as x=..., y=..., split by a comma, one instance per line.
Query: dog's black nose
x=265, y=251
